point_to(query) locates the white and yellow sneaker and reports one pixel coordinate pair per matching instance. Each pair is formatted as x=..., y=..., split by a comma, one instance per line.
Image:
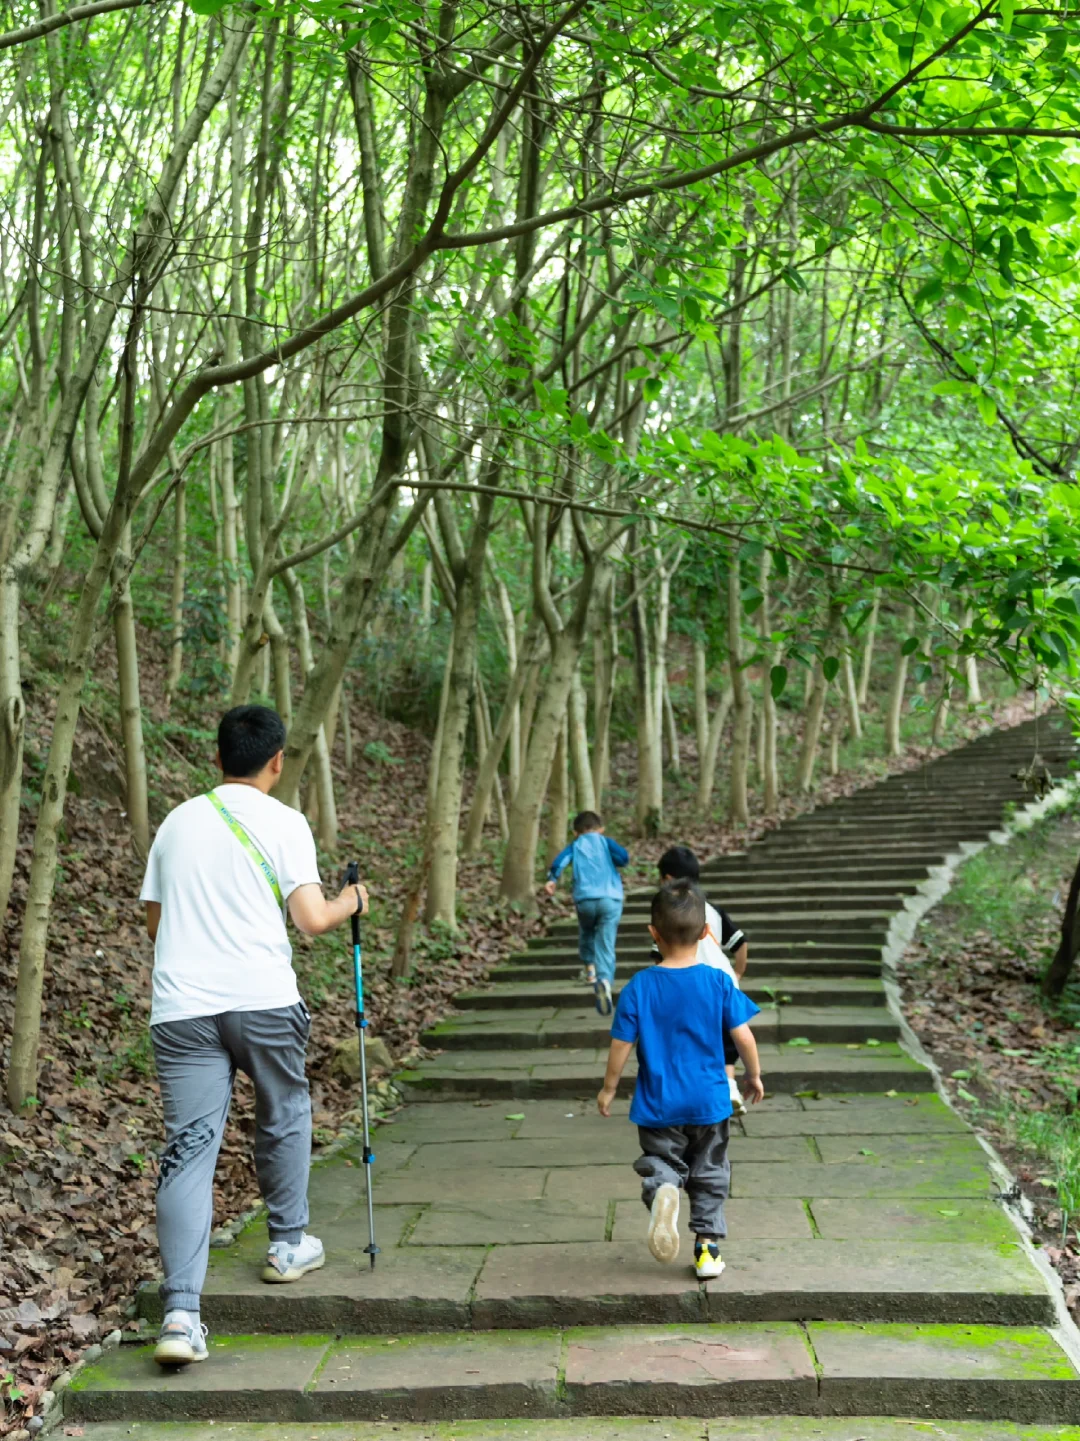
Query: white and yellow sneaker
x=181, y=1340
x=664, y=1224
x=707, y=1262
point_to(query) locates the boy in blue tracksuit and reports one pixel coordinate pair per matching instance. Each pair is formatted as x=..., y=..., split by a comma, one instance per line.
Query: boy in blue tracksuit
x=598, y=898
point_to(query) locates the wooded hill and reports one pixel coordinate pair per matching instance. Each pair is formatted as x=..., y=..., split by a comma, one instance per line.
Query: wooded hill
x=641, y=372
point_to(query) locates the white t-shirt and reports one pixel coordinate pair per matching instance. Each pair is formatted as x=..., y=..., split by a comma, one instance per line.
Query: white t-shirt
x=709, y=950
x=222, y=943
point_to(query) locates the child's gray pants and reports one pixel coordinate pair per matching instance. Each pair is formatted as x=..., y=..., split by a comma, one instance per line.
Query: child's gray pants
x=197, y=1061
x=695, y=1159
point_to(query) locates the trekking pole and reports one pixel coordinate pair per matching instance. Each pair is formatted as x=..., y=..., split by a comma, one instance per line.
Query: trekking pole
x=352, y=878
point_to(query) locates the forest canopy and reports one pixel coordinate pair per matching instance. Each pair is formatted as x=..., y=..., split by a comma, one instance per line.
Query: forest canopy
x=747, y=330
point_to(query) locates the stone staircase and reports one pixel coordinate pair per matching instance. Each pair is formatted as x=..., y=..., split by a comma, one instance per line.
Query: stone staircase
x=871, y=1270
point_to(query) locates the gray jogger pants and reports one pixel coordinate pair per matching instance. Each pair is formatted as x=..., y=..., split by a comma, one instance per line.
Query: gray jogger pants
x=695, y=1159
x=197, y=1061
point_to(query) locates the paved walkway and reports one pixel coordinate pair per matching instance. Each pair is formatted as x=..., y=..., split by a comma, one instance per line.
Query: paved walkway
x=871, y=1270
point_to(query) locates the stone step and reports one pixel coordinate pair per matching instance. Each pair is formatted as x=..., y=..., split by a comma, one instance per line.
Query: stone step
x=551, y=1029
x=806, y=943
x=763, y=990
x=767, y=903
x=865, y=869
x=678, y=1369
x=510, y=1074
x=815, y=881
x=596, y=1428
x=563, y=964
x=826, y=925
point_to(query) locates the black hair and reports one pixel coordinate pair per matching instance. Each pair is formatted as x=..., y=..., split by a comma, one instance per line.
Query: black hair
x=679, y=864
x=678, y=913
x=586, y=821
x=248, y=737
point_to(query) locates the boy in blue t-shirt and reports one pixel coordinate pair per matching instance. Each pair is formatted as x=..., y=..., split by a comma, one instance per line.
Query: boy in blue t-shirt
x=676, y=1013
x=598, y=899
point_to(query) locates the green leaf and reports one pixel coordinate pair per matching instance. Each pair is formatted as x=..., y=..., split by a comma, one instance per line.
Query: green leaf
x=207, y=7
x=777, y=681
x=966, y=1095
x=652, y=388
x=910, y=646
x=873, y=1042
x=379, y=31
x=961, y=1075
x=831, y=667
x=516, y=1116
x=949, y=1214
x=987, y=409
x=799, y=1041
x=692, y=310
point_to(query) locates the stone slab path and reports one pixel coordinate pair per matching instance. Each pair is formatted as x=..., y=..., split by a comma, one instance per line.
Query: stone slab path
x=872, y=1271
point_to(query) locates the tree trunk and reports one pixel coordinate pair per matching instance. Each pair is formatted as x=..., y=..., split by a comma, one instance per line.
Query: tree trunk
x=971, y=668
x=230, y=539
x=701, y=699
x=527, y=670
x=851, y=696
x=483, y=717
x=647, y=715
x=835, y=727
x=326, y=820
x=425, y=593
x=868, y=650
x=1061, y=967
x=815, y=712
x=605, y=653
x=770, y=785
x=740, y=688
x=895, y=708
x=176, y=649
x=441, y=901
x=517, y=884
x=12, y=727
x=941, y=712
x=707, y=769
x=127, y=661
x=558, y=797
x=671, y=730
x=578, y=745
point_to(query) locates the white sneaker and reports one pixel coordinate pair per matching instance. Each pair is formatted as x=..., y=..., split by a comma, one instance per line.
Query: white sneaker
x=602, y=991
x=738, y=1105
x=289, y=1260
x=664, y=1223
x=180, y=1340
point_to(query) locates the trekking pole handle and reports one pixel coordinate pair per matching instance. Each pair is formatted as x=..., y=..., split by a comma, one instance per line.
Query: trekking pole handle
x=351, y=877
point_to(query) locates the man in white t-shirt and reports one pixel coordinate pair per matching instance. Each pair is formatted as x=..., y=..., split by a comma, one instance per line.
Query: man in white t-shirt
x=221, y=872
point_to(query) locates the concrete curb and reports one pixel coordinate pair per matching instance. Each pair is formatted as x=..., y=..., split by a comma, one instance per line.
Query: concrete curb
x=901, y=930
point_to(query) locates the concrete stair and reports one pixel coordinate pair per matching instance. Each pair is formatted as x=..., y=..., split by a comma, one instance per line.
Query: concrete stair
x=872, y=1271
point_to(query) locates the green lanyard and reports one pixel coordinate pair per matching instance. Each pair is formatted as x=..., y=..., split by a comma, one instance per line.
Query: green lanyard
x=248, y=845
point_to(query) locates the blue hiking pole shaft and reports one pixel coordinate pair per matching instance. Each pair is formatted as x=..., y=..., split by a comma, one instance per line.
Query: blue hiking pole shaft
x=352, y=878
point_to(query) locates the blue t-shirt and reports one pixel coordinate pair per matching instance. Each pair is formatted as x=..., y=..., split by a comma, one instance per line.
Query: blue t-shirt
x=678, y=1016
